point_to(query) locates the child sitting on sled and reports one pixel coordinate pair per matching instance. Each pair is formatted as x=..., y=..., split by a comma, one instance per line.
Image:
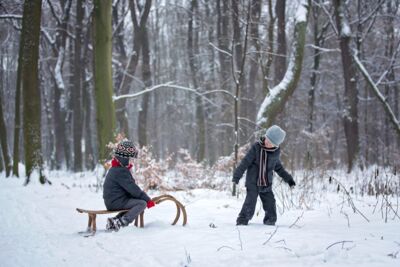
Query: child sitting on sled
x=120, y=190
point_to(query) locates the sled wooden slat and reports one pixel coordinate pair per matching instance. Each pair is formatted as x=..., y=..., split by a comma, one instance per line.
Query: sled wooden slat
x=139, y=221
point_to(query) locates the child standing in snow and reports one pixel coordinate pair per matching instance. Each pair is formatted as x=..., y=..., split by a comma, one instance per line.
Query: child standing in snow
x=260, y=162
x=120, y=190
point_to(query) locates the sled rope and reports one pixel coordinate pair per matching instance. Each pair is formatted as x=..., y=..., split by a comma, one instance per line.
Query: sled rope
x=139, y=221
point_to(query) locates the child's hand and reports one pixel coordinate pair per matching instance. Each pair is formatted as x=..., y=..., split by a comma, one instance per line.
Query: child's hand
x=292, y=183
x=150, y=204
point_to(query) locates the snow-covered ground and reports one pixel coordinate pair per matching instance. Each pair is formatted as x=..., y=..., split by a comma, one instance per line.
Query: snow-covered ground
x=39, y=226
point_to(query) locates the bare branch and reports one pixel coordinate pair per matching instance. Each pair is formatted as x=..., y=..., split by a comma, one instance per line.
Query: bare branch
x=11, y=16
x=271, y=235
x=298, y=218
x=377, y=93
x=340, y=242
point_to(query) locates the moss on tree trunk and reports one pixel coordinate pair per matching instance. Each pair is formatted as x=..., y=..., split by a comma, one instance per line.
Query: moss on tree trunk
x=105, y=112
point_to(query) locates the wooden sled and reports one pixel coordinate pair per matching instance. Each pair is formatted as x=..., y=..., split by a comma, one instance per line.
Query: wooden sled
x=139, y=221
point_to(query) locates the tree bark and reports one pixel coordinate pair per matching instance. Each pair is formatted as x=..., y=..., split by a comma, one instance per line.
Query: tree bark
x=280, y=58
x=146, y=73
x=3, y=140
x=254, y=62
x=266, y=67
x=17, y=123
x=224, y=62
x=350, y=116
x=142, y=44
x=275, y=101
x=193, y=62
x=77, y=89
x=105, y=112
x=30, y=88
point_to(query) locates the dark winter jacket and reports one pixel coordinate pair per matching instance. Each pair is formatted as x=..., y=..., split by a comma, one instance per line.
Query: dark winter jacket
x=119, y=187
x=251, y=163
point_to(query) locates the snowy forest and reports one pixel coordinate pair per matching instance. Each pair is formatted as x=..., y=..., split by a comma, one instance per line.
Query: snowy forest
x=193, y=84
x=193, y=75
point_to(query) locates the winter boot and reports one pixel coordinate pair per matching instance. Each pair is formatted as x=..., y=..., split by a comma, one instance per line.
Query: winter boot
x=114, y=224
x=269, y=221
x=241, y=222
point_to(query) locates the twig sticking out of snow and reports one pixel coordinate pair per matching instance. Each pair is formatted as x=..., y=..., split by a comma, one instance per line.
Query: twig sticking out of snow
x=390, y=206
x=271, y=235
x=240, y=238
x=225, y=247
x=298, y=218
x=350, y=200
x=340, y=242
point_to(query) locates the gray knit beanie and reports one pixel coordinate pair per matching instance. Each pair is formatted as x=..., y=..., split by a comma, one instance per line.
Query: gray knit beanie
x=275, y=135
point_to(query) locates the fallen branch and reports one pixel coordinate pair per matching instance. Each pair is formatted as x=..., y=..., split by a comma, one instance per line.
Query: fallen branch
x=225, y=247
x=272, y=234
x=298, y=218
x=240, y=238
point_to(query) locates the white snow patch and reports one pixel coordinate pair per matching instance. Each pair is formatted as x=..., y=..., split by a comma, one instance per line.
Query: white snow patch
x=40, y=224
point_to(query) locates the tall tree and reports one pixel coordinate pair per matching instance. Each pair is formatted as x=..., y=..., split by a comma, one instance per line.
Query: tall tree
x=30, y=88
x=17, y=120
x=254, y=62
x=3, y=140
x=60, y=148
x=193, y=52
x=142, y=39
x=277, y=97
x=102, y=46
x=280, y=58
x=350, y=116
x=225, y=70
x=76, y=94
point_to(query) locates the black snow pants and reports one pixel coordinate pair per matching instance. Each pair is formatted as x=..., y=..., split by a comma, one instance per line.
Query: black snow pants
x=249, y=205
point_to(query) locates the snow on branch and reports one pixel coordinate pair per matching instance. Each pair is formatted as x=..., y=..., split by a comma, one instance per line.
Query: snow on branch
x=169, y=85
x=277, y=96
x=10, y=16
x=220, y=50
x=378, y=94
x=58, y=69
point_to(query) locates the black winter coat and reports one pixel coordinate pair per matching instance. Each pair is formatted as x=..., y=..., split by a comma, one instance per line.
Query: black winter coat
x=119, y=187
x=251, y=163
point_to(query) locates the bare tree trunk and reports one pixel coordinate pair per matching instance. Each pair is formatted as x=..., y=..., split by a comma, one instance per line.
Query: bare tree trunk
x=120, y=79
x=318, y=42
x=239, y=82
x=350, y=116
x=30, y=88
x=60, y=96
x=280, y=58
x=224, y=62
x=254, y=62
x=193, y=62
x=266, y=67
x=102, y=47
x=77, y=89
x=17, y=124
x=139, y=25
x=275, y=101
x=146, y=72
x=3, y=138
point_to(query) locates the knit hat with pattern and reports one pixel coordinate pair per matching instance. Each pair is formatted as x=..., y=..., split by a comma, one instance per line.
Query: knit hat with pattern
x=126, y=149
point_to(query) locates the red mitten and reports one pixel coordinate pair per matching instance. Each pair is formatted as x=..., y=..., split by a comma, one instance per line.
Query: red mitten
x=150, y=204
